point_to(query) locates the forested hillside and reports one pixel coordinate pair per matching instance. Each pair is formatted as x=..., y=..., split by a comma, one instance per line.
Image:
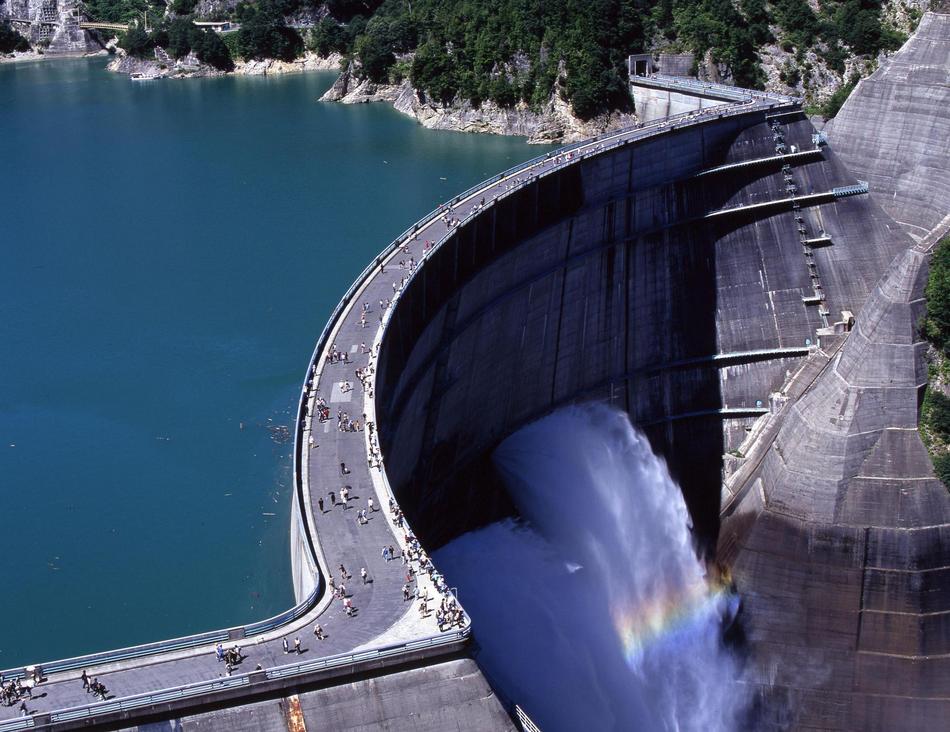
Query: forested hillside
x=518, y=50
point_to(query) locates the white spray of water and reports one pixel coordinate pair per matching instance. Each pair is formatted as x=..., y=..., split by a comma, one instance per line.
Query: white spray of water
x=597, y=615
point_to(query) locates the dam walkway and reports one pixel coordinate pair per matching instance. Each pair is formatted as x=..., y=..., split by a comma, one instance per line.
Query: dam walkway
x=184, y=673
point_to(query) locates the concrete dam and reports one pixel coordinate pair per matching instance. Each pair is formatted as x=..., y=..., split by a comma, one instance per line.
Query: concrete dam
x=680, y=279
x=723, y=278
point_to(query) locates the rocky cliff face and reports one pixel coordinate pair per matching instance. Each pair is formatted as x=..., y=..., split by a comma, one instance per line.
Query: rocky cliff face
x=51, y=25
x=308, y=62
x=162, y=65
x=554, y=122
x=810, y=76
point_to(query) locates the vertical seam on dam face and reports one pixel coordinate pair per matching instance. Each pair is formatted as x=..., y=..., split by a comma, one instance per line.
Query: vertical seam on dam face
x=560, y=318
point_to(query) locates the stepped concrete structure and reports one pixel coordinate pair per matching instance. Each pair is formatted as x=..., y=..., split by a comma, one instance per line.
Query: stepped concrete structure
x=834, y=525
x=55, y=23
x=722, y=277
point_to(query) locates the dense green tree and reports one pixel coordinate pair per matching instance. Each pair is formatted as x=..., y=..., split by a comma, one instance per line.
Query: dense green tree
x=376, y=56
x=124, y=11
x=942, y=468
x=137, y=42
x=798, y=20
x=184, y=7
x=180, y=32
x=525, y=50
x=10, y=40
x=503, y=92
x=831, y=107
x=264, y=35
x=347, y=9
x=327, y=37
x=937, y=408
x=716, y=26
x=757, y=16
x=211, y=48
x=937, y=319
x=433, y=71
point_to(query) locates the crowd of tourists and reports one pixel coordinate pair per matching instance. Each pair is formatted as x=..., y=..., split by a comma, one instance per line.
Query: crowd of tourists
x=15, y=691
x=416, y=562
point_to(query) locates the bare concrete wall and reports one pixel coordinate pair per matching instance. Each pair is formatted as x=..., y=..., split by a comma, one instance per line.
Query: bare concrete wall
x=652, y=104
x=604, y=282
x=894, y=129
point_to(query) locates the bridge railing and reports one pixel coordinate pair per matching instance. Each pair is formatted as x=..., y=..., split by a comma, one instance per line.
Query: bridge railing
x=214, y=686
x=174, y=644
x=595, y=146
x=709, y=88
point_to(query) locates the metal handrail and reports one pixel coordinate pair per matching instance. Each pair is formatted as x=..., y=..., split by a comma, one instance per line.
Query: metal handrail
x=527, y=724
x=186, y=691
x=737, y=93
x=597, y=145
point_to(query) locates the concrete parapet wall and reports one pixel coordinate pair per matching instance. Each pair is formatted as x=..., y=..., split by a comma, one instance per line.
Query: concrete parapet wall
x=652, y=104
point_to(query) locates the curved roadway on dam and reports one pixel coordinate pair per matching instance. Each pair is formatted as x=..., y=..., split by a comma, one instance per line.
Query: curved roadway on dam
x=168, y=677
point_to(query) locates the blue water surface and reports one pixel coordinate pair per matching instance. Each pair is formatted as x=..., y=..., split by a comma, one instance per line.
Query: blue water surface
x=169, y=252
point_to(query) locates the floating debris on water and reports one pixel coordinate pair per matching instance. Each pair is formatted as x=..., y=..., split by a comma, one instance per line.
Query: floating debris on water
x=280, y=434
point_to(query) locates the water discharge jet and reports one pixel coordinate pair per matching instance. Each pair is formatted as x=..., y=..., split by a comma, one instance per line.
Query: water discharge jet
x=596, y=611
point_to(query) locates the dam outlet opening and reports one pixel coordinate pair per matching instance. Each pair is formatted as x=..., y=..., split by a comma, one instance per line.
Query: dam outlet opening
x=593, y=608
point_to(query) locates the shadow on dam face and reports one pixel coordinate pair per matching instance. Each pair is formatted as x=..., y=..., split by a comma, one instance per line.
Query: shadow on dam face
x=604, y=282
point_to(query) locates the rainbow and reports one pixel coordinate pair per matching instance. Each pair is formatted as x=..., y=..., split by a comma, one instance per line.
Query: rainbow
x=668, y=618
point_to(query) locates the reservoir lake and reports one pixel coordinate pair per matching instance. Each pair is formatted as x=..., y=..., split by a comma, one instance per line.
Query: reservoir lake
x=169, y=253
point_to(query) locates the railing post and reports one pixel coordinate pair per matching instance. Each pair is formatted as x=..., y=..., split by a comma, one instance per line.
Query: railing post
x=256, y=677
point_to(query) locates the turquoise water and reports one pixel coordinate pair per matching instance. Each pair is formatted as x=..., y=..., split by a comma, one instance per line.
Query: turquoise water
x=170, y=252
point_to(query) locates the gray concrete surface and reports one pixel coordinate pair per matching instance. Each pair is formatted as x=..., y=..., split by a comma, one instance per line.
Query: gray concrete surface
x=894, y=130
x=838, y=541
x=602, y=283
x=451, y=695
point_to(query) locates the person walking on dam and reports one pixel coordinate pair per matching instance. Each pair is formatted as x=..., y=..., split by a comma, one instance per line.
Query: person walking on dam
x=286, y=646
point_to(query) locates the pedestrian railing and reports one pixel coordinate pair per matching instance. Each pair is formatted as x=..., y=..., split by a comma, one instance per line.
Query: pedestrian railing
x=584, y=150
x=15, y=724
x=288, y=616
x=187, y=691
x=527, y=724
x=709, y=88
x=155, y=697
x=370, y=654
x=167, y=646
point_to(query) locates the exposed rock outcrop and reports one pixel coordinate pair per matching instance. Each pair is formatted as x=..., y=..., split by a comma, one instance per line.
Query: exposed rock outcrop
x=554, y=122
x=162, y=65
x=308, y=62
